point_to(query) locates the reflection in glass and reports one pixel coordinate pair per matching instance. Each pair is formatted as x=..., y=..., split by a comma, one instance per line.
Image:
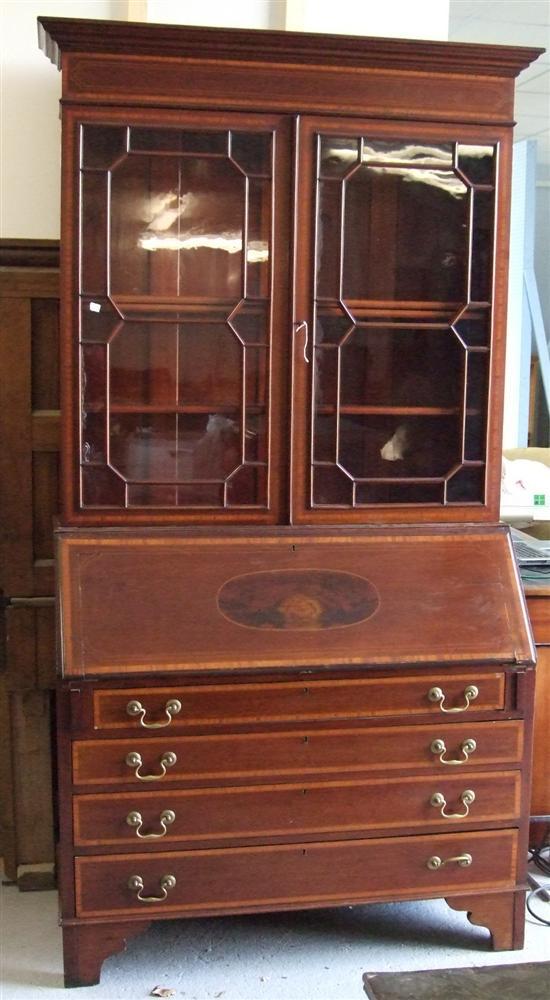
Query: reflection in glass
x=192, y=206
x=392, y=151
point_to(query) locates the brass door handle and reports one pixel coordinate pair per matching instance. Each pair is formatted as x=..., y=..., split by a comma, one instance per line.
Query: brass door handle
x=134, y=760
x=135, y=708
x=467, y=747
x=464, y=860
x=470, y=694
x=167, y=882
x=135, y=820
x=439, y=802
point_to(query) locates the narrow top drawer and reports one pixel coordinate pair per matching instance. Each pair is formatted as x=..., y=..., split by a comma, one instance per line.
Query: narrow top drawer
x=183, y=706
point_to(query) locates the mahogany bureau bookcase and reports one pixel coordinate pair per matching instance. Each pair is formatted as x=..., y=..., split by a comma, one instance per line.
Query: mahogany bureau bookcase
x=294, y=652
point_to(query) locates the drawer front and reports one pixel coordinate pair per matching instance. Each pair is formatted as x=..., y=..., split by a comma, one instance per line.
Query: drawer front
x=322, y=809
x=252, y=757
x=245, y=704
x=309, y=874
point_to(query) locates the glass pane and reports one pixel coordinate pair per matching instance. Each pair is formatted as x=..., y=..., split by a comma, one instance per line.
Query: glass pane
x=93, y=234
x=143, y=360
x=209, y=446
x=328, y=240
x=152, y=496
x=382, y=447
x=324, y=438
x=407, y=151
x=482, y=246
x=190, y=211
x=337, y=155
x=405, y=367
x=477, y=163
x=332, y=325
x=258, y=239
x=167, y=140
x=467, y=486
x=476, y=395
x=98, y=320
x=255, y=438
x=474, y=328
x=94, y=376
x=331, y=486
x=144, y=446
x=103, y=145
x=256, y=376
x=252, y=151
x=201, y=495
x=386, y=210
x=101, y=488
x=248, y=486
x=210, y=365
x=163, y=403
x=250, y=321
x=374, y=493
x=94, y=437
x=325, y=376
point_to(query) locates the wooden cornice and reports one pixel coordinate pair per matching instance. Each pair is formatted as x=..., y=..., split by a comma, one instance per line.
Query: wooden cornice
x=60, y=35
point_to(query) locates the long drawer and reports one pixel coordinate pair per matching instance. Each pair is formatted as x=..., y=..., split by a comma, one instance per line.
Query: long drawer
x=180, y=707
x=248, y=878
x=298, y=810
x=252, y=757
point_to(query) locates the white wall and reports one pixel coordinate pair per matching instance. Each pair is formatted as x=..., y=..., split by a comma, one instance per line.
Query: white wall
x=217, y=13
x=30, y=85
x=389, y=18
x=29, y=115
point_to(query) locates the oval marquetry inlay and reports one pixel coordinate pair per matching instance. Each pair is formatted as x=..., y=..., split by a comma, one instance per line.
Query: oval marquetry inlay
x=298, y=599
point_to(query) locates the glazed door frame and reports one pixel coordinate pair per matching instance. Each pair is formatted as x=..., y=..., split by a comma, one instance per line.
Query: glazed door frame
x=277, y=352
x=302, y=509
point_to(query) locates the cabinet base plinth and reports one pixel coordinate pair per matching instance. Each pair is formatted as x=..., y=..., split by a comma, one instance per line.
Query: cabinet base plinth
x=503, y=913
x=86, y=946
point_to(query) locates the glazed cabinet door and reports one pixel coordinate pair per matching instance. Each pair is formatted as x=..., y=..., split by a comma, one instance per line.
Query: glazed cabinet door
x=176, y=344
x=398, y=322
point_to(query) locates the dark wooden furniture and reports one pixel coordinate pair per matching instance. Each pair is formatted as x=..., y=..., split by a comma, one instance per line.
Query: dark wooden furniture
x=284, y=272
x=538, y=606
x=29, y=416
